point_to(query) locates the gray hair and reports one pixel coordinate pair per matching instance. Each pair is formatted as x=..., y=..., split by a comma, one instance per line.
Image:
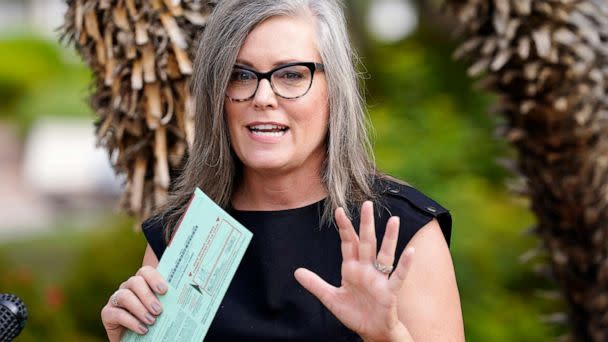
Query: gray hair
x=349, y=169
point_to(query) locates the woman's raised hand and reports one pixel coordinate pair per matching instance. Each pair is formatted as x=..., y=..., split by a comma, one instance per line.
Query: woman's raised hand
x=134, y=305
x=368, y=298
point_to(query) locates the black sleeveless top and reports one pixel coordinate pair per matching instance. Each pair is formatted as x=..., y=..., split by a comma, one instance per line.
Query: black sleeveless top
x=264, y=302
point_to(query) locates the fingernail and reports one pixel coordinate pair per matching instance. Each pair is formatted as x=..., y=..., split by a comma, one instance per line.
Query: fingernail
x=143, y=329
x=161, y=287
x=156, y=308
x=149, y=318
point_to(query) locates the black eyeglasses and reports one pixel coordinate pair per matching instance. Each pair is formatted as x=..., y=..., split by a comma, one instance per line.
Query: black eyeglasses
x=288, y=81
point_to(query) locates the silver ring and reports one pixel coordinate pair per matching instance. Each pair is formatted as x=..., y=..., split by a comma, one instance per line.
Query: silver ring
x=386, y=269
x=114, y=299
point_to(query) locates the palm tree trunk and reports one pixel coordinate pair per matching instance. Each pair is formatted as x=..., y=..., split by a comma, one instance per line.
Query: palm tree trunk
x=547, y=60
x=141, y=55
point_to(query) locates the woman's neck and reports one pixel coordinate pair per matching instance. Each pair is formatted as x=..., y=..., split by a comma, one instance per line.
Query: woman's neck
x=261, y=190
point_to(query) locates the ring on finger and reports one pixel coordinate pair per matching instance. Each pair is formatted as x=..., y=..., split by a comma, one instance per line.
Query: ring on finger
x=386, y=269
x=114, y=299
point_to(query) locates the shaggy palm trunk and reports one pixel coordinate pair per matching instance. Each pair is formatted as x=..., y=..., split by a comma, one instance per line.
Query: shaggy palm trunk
x=141, y=55
x=548, y=62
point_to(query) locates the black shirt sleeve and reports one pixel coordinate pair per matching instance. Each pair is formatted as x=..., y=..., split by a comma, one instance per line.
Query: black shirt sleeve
x=154, y=233
x=414, y=210
x=413, y=207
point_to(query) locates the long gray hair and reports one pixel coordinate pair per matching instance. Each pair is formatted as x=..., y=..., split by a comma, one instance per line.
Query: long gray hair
x=349, y=169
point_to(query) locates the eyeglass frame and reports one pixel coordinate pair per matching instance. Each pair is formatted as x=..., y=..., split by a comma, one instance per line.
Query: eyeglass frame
x=312, y=66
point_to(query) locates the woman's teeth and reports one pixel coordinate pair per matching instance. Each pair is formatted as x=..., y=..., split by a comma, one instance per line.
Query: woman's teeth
x=269, y=134
x=268, y=130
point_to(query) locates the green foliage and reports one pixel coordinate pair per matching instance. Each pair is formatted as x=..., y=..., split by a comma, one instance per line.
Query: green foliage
x=45, y=311
x=38, y=78
x=110, y=257
x=66, y=279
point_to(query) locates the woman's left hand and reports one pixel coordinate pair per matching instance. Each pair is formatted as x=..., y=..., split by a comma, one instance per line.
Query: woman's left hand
x=367, y=300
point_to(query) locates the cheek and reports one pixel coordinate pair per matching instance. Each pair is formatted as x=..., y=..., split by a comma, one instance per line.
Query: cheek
x=315, y=125
x=315, y=110
x=311, y=117
x=322, y=102
x=321, y=119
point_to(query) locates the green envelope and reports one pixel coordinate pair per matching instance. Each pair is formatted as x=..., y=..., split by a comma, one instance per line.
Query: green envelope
x=198, y=264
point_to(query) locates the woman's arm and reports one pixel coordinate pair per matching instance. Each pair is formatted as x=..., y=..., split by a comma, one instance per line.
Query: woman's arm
x=150, y=258
x=429, y=303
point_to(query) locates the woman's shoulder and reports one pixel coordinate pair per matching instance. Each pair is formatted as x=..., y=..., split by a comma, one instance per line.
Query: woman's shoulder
x=397, y=198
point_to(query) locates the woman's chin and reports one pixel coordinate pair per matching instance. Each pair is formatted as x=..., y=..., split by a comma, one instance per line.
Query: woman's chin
x=265, y=164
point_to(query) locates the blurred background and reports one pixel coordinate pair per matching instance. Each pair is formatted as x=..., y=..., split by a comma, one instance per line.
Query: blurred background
x=59, y=193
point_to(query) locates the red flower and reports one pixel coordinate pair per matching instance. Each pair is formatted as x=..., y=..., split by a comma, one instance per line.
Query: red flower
x=54, y=296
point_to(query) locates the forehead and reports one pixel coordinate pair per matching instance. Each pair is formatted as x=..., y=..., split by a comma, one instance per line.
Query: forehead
x=280, y=40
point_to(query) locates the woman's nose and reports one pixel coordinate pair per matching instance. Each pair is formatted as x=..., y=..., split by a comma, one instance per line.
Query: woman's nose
x=265, y=97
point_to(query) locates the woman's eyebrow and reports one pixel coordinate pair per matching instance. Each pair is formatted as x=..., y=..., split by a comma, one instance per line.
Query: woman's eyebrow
x=286, y=61
x=246, y=63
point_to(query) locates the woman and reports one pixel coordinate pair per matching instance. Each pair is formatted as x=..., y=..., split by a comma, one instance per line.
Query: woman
x=281, y=143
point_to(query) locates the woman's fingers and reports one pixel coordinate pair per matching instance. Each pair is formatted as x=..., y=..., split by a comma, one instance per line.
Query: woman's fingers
x=141, y=289
x=317, y=286
x=395, y=282
x=386, y=255
x=114, y=318
x=367, y=234
x=146, y=280
x=136, y=295
x=350, y=240
x=134, y=303
x=153, y=278
x=126, y=299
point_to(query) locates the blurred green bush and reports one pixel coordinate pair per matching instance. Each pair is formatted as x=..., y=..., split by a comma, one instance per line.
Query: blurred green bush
x=65, y=279
x=40, y=78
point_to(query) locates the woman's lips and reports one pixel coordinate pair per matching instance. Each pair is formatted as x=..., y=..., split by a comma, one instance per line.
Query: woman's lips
x=267, y=132
x=267, y=136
